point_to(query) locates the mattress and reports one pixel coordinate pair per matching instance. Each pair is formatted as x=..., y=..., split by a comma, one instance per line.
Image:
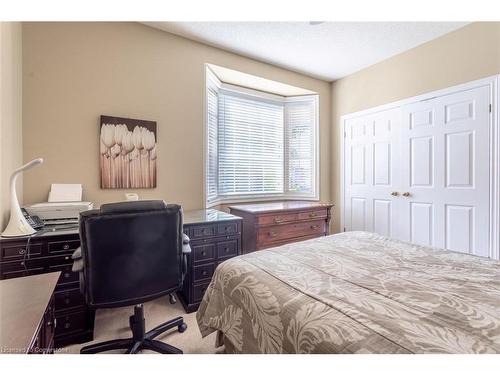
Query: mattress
x=354, y=292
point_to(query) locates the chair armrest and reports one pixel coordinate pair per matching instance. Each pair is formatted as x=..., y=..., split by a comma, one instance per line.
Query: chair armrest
x=77, y=254
x=186, y=248
x=77, y=260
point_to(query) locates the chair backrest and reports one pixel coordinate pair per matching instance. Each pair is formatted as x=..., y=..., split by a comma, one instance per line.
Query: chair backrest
x=131, y=252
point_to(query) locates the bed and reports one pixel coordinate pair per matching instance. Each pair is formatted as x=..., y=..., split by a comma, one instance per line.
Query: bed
x=354, y=292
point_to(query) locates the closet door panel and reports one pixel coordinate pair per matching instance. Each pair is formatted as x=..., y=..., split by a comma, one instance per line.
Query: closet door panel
x=445, y=149
x=371, y=172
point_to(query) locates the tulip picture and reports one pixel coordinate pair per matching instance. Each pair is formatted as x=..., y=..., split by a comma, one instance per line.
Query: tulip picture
x=127, y=153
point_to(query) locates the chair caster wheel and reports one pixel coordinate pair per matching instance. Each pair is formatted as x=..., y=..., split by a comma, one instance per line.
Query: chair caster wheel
x=182, y=327
x=173, y=300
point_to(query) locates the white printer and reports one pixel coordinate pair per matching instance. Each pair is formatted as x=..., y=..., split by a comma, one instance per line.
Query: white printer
x=59, y=212
x=64, y=205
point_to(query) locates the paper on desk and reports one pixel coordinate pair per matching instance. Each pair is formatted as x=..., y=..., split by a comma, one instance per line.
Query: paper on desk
x=65, y=193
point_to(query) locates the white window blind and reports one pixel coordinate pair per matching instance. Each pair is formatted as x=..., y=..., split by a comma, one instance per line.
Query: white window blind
x=259, y=146
x=212, y=136
x=250, y=145
x=300, y=145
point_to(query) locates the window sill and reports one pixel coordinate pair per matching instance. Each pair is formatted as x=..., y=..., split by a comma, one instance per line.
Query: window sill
x=235, y=200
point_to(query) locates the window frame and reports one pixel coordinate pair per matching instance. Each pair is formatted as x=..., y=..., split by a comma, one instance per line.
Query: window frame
x=261, y=197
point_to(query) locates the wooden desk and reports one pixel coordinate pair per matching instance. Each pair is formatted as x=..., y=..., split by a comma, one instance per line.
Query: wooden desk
x=51, y=251
x=215, y=237
x=27, y=314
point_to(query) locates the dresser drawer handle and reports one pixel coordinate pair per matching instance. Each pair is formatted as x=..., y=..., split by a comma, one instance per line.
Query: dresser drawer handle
x=278, y=220
x=67, y=325
x=313, y=214
x=22, y=251
x=204, y=273
x=204, y=253
x=314, y=227
x=226, y=249
x=66, y=246
x=67, y=300
x=272, y=234
x=66, y=258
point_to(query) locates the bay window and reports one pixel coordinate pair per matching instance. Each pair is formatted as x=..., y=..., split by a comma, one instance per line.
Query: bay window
x=259, y=146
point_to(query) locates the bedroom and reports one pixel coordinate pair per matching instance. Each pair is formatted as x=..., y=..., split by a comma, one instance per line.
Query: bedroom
x=317, y=185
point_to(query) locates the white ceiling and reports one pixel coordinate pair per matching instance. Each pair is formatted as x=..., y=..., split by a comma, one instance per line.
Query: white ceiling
x=329, y=50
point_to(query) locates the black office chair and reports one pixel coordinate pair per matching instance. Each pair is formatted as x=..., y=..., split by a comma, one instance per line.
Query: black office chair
x=132, y=252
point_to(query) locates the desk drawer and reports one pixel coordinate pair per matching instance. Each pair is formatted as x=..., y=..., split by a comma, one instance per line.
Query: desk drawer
x=18, y=251
x=203, y=252
x=200, y=231
x=68, y=323
x=68, y=299
x=57, y=247
x=276, y=218
x=20, y=268
x=227, y=249
x=67, y=276
x=227, y=228
x=199, y=291
x=282, y=232
x=203, y=272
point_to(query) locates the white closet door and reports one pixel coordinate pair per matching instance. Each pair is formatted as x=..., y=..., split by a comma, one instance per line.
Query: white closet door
x=445, y=169
x=371, y=157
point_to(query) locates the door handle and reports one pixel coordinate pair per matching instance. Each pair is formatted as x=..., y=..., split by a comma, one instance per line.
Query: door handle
x=406, y=194
x=394, y=193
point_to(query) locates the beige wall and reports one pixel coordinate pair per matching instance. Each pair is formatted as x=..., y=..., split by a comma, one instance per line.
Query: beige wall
x=75, y=72
x=464, y=55
x=10, y=112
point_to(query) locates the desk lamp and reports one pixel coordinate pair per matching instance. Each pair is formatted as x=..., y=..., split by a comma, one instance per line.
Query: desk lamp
x=18, y=226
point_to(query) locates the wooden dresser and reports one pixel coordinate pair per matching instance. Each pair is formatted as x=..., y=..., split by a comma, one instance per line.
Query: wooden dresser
x=278, y=223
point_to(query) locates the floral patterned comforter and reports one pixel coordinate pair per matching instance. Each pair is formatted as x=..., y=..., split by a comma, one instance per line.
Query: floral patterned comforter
x=355, y=292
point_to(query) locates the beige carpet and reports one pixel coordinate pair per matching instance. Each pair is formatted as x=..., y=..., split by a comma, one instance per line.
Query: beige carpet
x=113, y=323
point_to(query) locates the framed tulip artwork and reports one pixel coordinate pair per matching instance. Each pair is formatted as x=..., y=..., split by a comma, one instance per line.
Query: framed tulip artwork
x=127, y=153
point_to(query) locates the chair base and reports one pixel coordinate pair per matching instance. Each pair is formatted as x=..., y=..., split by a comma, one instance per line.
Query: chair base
x=140, y=339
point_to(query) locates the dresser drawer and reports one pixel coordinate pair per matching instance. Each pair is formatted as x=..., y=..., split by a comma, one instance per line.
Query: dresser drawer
x=313, y=214
x=68, y=299
x=277, y=218
x=200, y=231
x=282, y=232
x=203, y=272
x=228, y=228
x=57, y=247
x=18, y=251
x=199, y=291
x=203, y=252
x=227, y=249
